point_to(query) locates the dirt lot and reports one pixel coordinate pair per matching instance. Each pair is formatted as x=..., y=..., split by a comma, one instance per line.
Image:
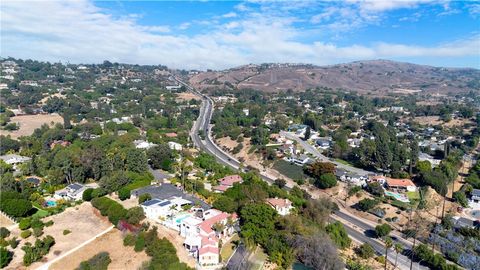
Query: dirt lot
x=111, y=242
x=83, y=222
x=28, y=123
x=435, y=120
x=186, y=96
x=5, y=222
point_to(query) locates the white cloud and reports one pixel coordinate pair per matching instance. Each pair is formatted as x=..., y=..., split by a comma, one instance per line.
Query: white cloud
x=81, y=32
x=184, y=26
x=230, y=15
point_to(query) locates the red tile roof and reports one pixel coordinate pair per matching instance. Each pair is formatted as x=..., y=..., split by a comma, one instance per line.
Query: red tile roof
x=399, y=182
x=230, y=180
x=171, y=134
x=279, y=202
x=205, y=250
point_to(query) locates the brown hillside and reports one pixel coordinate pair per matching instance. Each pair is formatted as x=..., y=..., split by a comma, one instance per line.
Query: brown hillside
x=379, y=76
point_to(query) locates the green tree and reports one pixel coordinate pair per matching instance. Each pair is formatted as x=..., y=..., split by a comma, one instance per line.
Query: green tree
x=87, y=194
x=367, y=204
x=225, y=204
x=327, y=180
x=365, y=251
x=388, y=245
x=5, y=257
x=382, y=230
x=161, y=157
x=124, y=193
x=136, y=160
x=258, y=222
x=398, y=249
x=338, y=234
x=144, y=197
x=135, y=215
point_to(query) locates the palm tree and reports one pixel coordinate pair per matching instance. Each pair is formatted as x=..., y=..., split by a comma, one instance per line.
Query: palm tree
x=388, y=245
x=398, y=249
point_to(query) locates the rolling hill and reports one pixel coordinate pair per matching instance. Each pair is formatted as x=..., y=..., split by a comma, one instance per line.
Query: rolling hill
x=375, y=76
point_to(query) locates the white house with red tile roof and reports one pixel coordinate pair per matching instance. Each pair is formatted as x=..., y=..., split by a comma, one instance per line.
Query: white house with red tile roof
x=227, y=182
x=400, y=184
x=282, y=206
x=208, y=256
x=201, y=239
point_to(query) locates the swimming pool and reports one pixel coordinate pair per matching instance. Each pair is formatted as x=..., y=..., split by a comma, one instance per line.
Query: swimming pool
x=179, y=219
x=397, y=196
x=50, y=203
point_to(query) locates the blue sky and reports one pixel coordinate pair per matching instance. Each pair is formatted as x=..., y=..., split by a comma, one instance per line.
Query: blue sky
x=224, y=34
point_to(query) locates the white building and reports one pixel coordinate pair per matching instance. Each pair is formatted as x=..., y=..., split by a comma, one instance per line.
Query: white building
x=72, y=192
x=282, y=206
x=159, y=210
x=141, y=144
x=13, y=159
x=175, y=146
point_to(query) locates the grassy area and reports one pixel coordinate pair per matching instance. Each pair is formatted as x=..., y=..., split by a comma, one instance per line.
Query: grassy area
x=40, y=213
x=344, y=162
x=138, y=184
x=228, y=248
x=413, y=195
x=290, y=170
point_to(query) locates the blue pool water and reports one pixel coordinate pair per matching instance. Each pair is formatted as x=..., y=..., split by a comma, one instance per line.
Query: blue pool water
x=51, y=203
x=397, y=196
x=178, y=220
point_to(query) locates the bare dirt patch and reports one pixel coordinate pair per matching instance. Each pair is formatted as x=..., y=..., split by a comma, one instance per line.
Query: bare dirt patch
x=83, y=223
x=435, y=120
x=112, y=242
x=186, y=96
x=28, y=123
x=5, y=222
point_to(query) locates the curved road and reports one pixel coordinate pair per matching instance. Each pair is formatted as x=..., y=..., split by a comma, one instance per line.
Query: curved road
x=357, y=228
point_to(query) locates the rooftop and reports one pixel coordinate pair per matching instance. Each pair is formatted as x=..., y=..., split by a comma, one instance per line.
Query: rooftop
x=167, y=191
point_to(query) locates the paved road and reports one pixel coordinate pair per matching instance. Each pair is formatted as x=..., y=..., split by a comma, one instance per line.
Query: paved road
x=239, y=260
x=357, y=228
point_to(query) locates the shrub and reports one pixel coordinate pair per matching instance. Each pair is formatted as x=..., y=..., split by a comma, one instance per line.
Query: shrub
x=98, y=192
x=110, y=208
x=36, y=223
x=26, y=234
x=37, y=232
x=124, y=194
x=380, y=259
x=365, y=251
x=3, y=242
x=338, y=234
x=139, y=243
x=5, y=257
x=4, y=232
x=38, y=250
x=382, y=230
x=65, y=232
x=144, y=197
x=49, y=223
x=87, y=194
x=367, y=204
x=129, y=240
x=13, y=242
x=97, y=262
x=327, y=180
x=135, y=215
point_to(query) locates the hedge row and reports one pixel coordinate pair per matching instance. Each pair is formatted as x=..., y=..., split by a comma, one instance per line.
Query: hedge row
x=110, y=208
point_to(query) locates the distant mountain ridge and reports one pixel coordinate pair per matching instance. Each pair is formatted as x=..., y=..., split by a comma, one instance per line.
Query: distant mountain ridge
x=373, y=76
